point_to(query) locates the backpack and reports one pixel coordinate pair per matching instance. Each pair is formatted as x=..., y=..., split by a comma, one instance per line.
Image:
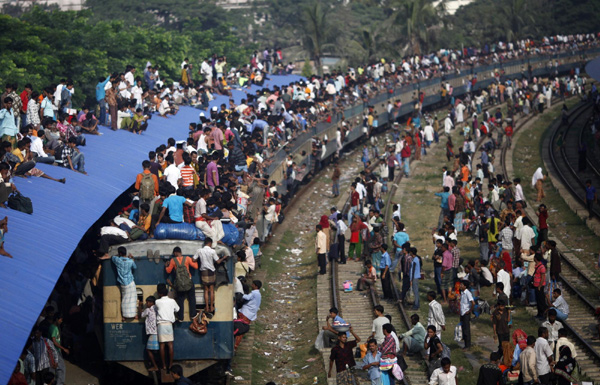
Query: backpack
x=183, y=282
x=17, y=201
x=147, y=187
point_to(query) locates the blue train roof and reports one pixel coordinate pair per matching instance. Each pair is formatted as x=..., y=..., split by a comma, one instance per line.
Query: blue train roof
x=42, y=243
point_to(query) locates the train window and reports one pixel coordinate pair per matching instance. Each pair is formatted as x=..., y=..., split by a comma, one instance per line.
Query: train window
x=140, y=295
x=200, y=305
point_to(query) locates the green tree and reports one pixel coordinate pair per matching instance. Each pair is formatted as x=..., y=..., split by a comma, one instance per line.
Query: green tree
x=319, y=32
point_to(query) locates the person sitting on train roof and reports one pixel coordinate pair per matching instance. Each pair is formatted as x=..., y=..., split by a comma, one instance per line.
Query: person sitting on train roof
x=184, y=285
x=111, y=235
x=174, y=203
x=125, y=266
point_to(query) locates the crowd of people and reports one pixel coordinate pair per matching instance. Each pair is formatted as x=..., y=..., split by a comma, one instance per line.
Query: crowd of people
x=517, y=262
x=205, y=180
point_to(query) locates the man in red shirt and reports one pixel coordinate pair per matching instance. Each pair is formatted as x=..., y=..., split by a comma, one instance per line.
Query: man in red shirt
x=343, y=357
x=405, y=154
x=146, y=194
x=354, y=202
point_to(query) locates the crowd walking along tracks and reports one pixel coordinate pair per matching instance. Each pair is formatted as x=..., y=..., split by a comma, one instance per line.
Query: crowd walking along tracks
x=580, y=287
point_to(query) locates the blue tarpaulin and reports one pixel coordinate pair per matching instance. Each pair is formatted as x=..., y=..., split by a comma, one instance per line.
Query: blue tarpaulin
x=42, y=243
x=592, y=68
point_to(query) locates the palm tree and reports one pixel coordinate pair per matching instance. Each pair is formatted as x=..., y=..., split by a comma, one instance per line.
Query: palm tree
x=519, y=20
x=412, y=19
x=318, y=32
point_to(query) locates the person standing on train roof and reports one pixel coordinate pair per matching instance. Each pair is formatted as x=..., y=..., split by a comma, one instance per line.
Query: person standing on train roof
x=165, y=318
x=125, y=266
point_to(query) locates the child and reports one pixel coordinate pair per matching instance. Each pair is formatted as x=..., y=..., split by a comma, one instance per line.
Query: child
x=135, y=210
x=152, y=345
x=139, y=121
x=256, y=247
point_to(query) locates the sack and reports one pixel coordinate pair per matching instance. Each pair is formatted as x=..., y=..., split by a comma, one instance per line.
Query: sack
x=319, y=341
x=147, y=187
x=199, y=327
x=446, y=349
x=183, y=282
x=458, y=333
x=397, y=372
x=386, y=364
x=135, y=233
x=184, y=231
x=51, y=358
x=17, y=201
x=402, y=363
x=347, y=286
x=512, y=377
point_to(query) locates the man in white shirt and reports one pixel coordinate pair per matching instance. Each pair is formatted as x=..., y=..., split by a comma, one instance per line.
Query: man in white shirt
x=428, y=133
x=341, y=237
x=543, y=355
x=111, y=235
x=518, y=190
x=129, y=78
x=466, y=308
x=563, y=341
x=165, y=318
x=526, y=235
x=378, y=322
x=248, y=313
x=163, y=108
x=362, y=192
x=448, y=125
x=445, y=375
x=37, y=148
x=206, y=72
x=503, y=276
x=553, y=326
x=436, y=315
x=560, y=305
x=172, y=174
x=207, y=258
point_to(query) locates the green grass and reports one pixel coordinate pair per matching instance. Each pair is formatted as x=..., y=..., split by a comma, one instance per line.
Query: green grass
x=562, y=222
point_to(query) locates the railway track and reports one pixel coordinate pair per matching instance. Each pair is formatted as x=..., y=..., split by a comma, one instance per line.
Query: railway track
x=565, y=160
x=580, y=288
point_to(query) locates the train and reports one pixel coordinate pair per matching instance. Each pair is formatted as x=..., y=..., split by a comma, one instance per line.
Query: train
x=124, y=341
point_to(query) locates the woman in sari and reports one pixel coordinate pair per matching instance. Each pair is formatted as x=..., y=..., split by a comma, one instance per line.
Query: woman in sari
x=537, y=182
x=565, y=367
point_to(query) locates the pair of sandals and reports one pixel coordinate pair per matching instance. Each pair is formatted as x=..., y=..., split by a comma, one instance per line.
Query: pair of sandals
x=153, y=255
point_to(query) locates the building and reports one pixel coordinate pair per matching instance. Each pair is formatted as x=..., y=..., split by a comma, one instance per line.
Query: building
x=453, y=5
x=64, y=5
x=234, y=4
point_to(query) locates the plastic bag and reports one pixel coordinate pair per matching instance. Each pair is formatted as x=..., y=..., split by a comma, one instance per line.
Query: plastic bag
x=319, y=341
x=397, y=372
x=458, y=335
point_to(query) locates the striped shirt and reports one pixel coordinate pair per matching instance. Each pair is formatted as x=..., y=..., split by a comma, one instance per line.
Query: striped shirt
x=187, y=174
x=40, y=349
x=455, y=257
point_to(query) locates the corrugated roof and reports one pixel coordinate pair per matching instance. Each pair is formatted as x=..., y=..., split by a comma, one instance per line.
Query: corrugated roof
x=42, y=243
